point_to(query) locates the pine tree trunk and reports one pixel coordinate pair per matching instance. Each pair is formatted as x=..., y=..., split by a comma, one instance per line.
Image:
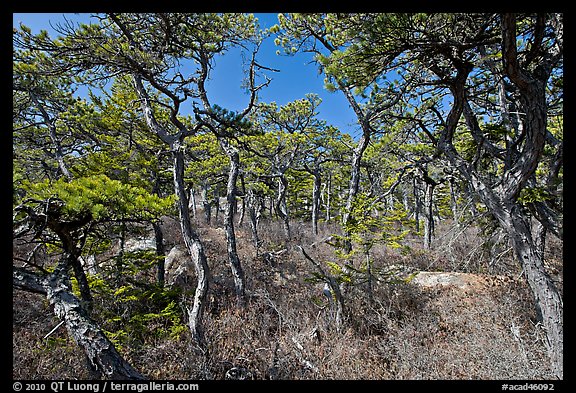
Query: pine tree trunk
x=328, y=198
x=254, y=204
x=207, y=205
x=316, y=201
x=194, y=247
x=454, y=200
x=282, y=207
x=191, y=238
x=417, y=204
x=192, y=202
x=160, y=254
x=240, y=221
x=354, y=186
x=546, y=296
x=233, y=258
x=429, y=216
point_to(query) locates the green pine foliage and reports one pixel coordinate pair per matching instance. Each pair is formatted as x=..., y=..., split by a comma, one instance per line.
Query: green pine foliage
x=101, y=197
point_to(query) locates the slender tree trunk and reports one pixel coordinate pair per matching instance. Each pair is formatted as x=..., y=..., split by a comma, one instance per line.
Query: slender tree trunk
x=405, y=199
x=206, y=203
x=454, y=200
x=429, y=215
x=316, y=200
x=216, y=200
x=159, y=238
x=354, y=185
x=243, y=205
x=192, y=202
x=160, y=254
x=194, y=247
x=328, y=189
x=417, y=204
x=254, y=206
x=281, y=205
x=120, y=256
x=233, y=258
x=271, y=207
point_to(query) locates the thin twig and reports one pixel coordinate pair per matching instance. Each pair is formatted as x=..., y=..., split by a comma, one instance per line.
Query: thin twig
x=53, y=330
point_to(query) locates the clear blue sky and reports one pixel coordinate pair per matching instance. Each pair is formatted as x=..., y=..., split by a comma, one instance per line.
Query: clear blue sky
x=297, y=75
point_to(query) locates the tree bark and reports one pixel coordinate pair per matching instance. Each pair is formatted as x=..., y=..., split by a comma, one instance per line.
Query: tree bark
x=100, y=352
x=50, y=123
x=429, y=215
x=72, y=251
x=233, y=258
x=192, y=202
x=194, y=247
x=240, y=221
x=281, y=205
x=254, y=206
x=417, y=204
x=548, y=300
x=328, y=193
x=354, y=185
x=160, y=254
x=206, y=203
x=159, y=240
x=316, y=200
x=453, y=200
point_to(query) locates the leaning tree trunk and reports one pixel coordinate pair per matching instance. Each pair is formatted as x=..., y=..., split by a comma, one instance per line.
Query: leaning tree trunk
x=99, y=350
x=233, y=258
x=532, y=87
x=72, y=259
x=332, y=282
x=546, y=295
x=501, y=200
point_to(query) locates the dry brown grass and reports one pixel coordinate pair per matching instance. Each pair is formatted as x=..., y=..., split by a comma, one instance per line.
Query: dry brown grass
x=287, y=330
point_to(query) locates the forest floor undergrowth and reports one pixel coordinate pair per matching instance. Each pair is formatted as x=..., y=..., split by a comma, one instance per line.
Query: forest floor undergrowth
x=467, y=316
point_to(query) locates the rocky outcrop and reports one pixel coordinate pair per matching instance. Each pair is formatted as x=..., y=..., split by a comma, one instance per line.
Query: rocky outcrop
x=179, y=269
x=462, y=281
